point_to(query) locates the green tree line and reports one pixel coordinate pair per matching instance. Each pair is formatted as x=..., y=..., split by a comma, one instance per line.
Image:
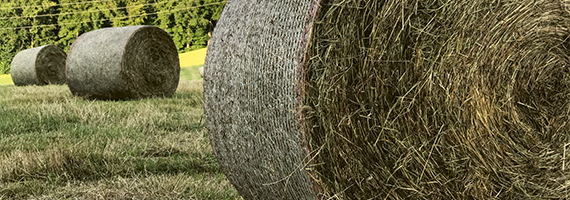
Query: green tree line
x=26, y=24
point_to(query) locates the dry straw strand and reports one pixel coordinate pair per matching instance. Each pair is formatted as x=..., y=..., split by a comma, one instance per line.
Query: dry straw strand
x=440, y=99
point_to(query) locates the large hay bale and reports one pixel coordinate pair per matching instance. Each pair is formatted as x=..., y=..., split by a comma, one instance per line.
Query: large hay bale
x=397, y=99
x=123, y=63
x=39, y=66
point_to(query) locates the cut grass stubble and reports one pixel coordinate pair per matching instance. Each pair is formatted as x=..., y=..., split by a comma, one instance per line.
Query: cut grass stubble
x=54, y=145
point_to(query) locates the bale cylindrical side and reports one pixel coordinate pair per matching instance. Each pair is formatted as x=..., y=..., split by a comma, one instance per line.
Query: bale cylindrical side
x=123, y=63
x=39, y=66
x=251, y=97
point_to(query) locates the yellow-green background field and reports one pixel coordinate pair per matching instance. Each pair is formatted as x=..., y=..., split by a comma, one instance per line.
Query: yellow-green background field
x=6, y=79
x=190, y=62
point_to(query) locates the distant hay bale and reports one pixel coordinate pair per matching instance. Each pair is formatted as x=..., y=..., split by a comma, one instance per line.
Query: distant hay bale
x=123, y=63
x=201, y=71
x=395, y=99
x=39, y=66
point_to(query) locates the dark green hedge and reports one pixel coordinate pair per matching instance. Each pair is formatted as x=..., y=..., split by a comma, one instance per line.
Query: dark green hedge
x=26, y=24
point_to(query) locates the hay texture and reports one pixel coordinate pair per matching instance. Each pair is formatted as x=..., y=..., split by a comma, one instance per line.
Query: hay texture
x=39, y=66
x=399, y=99
x=123, y=63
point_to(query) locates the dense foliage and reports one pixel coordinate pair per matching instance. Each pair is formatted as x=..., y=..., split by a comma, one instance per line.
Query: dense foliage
x=31, y=23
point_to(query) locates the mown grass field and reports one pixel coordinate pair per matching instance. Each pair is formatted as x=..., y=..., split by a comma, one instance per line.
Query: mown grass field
x=54, y=145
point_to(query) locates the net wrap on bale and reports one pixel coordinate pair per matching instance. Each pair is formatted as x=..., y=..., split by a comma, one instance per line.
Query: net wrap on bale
x=39, y=66
x=466, y=99
x=251, y=103
x=122, y=63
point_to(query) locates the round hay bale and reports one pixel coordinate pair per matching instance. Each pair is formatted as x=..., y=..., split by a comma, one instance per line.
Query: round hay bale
x=201, y=72
x=392, y=99
x=123, y=63
x=39, y=66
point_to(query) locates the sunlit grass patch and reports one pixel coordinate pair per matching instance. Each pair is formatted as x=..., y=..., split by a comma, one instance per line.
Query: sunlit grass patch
x=54, y=145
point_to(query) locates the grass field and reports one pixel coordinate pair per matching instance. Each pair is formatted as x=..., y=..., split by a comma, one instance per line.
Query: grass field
x=190, y=73
x=54, y=145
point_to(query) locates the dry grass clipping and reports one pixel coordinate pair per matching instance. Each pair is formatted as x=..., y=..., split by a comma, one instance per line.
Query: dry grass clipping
x=440, y=99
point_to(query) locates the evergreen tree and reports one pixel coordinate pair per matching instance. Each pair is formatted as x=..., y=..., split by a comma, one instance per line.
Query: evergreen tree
x=132, y=12
x=77, y=18
x=40, y=19
x=164, y=19
x=189, y=27
x=34, y=18
x=11, y=41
